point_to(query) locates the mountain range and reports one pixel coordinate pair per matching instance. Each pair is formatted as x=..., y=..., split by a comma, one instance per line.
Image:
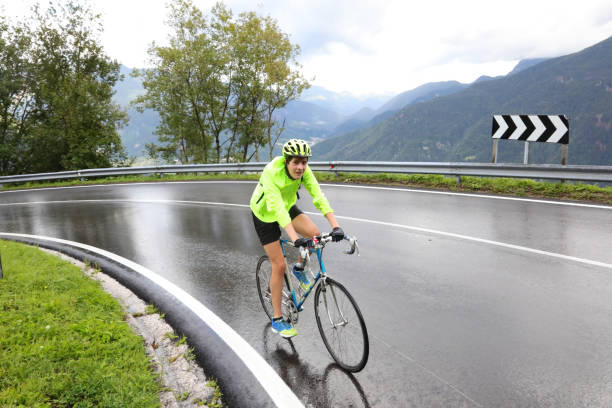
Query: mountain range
x=457, y=126
x=318, y=114
x=441, y=121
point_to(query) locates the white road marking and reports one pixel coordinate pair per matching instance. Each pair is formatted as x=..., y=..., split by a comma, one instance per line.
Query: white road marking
x=364, y=220
x=482, y=241
x=450, y=193
x=407, y=190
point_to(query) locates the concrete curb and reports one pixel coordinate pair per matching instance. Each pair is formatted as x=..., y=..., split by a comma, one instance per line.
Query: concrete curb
x=245, y=378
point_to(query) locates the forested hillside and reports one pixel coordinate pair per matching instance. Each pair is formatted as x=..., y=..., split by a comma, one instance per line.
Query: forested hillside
x=457, y=127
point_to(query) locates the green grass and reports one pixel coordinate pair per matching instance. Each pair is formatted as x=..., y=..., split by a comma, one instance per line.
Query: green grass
x=63, y=340
x=503, y=186
x=215, y=401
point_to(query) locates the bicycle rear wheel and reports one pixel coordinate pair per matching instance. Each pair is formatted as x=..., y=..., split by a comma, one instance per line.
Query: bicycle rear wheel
x=341, y=325
x=262, y=276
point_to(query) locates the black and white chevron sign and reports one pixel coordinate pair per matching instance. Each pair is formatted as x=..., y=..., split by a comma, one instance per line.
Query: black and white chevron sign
x=531, y=128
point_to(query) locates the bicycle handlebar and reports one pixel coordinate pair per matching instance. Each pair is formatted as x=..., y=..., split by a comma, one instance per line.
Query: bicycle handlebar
x=321, y=240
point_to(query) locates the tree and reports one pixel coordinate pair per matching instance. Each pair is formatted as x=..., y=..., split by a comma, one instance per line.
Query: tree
x=281, y=83
x=189, y=85
x=58, y=85
x=15, y=98
x=218, y=83
x=76, y=119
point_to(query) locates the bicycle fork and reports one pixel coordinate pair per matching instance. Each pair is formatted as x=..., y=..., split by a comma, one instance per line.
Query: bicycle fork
x=343, y=320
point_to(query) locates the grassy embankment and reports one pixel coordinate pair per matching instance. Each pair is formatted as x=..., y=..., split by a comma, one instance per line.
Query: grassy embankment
x=63, y=340
x=502, y=186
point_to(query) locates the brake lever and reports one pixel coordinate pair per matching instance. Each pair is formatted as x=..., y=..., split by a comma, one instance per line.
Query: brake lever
x=304, y=252
x=353, y=243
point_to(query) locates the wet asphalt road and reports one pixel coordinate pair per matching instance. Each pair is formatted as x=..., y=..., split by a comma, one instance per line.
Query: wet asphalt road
x=453, y=322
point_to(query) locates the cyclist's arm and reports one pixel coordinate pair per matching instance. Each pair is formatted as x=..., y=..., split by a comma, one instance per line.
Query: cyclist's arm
x=331, y=218
x=318, y=198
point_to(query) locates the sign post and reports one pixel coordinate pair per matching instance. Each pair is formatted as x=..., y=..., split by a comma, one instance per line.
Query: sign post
x=564, y=154
x=531, y=128
x=494, y=160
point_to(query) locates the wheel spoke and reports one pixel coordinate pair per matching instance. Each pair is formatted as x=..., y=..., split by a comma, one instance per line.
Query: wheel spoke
x=341, y=326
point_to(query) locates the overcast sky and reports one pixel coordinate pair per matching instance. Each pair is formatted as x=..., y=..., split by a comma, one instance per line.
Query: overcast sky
x=382, y=47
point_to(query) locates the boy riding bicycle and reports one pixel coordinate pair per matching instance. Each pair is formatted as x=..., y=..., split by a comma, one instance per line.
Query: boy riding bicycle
x=273, y=206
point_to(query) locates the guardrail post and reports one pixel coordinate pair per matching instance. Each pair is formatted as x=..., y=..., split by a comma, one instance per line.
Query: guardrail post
x=0, y=267
x=332, y=167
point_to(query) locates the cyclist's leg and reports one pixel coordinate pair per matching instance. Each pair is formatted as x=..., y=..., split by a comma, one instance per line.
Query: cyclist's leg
x=304, y=226
x=277, y=260
x=269, y=234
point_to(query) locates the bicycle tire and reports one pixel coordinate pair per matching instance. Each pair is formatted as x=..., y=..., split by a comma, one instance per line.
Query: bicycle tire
x=348, y=342
x=262, y=277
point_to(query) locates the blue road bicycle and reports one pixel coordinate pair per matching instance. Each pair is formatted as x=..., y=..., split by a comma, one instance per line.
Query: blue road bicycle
x=338, y=317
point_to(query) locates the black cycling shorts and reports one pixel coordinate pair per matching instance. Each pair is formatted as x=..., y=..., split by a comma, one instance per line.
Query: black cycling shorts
x=269, y=232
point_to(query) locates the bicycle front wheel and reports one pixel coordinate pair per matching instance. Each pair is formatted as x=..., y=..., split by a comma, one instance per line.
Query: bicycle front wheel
x=341, y=325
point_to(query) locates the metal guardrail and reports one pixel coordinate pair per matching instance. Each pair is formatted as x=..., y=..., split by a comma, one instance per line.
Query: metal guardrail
x=534, y=171
x=122, y=171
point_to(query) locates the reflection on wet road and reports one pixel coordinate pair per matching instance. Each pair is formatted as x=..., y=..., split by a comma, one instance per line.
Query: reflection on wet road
x=452, y=322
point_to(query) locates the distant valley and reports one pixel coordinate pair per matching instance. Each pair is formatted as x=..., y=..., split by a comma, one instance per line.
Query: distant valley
x=441, y=121
x=315, y=116
x=318, y=115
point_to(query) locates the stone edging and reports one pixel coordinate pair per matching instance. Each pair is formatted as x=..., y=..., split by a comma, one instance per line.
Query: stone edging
x=184, y=383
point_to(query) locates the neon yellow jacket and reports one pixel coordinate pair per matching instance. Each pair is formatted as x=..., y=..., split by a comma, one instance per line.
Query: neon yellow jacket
x=276, y=193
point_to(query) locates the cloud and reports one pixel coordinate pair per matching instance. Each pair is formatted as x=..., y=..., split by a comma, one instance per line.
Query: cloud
x=439, y=40
x=369, y=46
x=316, y=24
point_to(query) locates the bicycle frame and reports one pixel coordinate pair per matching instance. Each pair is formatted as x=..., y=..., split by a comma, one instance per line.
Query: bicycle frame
x=337, y=314
x=299, y=303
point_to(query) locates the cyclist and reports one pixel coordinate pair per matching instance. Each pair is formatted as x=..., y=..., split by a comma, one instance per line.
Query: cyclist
x=273, y=204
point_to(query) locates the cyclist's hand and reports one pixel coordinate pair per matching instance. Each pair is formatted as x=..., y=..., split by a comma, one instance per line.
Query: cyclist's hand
x=303, y=242
x=337, y=234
